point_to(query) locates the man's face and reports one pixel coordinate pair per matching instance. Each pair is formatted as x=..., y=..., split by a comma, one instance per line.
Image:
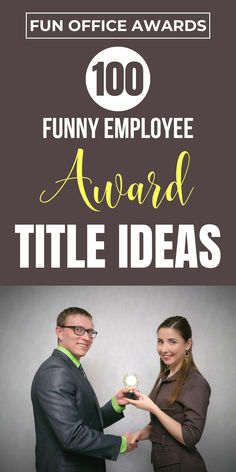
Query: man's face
x=77, y=345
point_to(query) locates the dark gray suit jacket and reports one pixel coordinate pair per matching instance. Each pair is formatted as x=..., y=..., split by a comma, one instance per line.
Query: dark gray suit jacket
x=69, y=421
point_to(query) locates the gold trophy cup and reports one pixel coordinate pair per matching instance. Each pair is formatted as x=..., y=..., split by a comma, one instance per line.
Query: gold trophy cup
x=131, y=382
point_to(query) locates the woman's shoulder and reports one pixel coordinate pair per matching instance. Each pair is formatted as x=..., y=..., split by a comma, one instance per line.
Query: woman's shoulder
x=195, y=379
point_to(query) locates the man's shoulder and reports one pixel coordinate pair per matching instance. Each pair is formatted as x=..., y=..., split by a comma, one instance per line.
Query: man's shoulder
x=52, y=377
x=56, y=364
x=54, y=359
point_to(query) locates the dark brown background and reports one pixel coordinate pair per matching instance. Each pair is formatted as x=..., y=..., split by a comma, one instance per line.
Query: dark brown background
x=189, y=78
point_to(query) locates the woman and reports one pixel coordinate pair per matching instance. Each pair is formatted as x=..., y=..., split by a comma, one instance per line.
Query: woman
x=177, y=403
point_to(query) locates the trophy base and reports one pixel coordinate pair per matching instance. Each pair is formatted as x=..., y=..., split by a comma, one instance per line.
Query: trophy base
x=131, y=395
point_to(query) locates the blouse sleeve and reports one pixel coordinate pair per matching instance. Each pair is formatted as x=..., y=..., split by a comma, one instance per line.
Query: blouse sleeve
x=195, y=399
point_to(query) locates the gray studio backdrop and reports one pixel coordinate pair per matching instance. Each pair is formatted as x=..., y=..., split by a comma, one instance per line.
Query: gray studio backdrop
x=126, y=319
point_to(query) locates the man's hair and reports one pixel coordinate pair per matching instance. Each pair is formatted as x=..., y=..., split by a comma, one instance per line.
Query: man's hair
x=73, y=310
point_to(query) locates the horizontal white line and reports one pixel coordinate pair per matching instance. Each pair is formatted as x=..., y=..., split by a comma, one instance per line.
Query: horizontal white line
x=118, y=13
x=206, y=37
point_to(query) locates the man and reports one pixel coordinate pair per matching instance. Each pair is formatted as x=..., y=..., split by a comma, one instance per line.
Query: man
x=68, y=419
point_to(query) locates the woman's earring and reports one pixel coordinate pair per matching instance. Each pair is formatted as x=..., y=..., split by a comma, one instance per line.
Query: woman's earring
x=186, y=356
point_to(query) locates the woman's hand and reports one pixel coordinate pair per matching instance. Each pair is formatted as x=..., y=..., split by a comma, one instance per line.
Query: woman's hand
x=142, y=434
x=135, y=437
x=143, y=402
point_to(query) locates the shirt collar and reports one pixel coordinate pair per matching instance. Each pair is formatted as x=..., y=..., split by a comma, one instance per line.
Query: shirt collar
x=70, y=355
x=170, y=379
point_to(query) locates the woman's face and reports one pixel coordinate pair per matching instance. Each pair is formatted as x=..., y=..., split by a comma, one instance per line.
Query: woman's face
x=171, y=347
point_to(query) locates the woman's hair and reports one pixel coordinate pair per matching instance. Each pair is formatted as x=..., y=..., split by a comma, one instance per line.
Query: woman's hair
x=182, y=325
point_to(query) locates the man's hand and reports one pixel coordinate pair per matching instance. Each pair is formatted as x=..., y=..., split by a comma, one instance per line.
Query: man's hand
x=131, y=442
x=120, y=397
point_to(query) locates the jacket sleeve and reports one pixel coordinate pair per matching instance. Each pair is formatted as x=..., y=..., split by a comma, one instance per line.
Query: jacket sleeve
x=109, y=415
x=55, y=396
x=195, y=400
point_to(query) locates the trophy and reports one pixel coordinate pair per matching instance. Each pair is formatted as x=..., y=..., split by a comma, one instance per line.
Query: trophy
x=130, y=381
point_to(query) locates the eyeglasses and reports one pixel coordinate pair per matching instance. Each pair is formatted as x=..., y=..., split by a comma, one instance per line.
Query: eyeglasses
x=79, y=331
